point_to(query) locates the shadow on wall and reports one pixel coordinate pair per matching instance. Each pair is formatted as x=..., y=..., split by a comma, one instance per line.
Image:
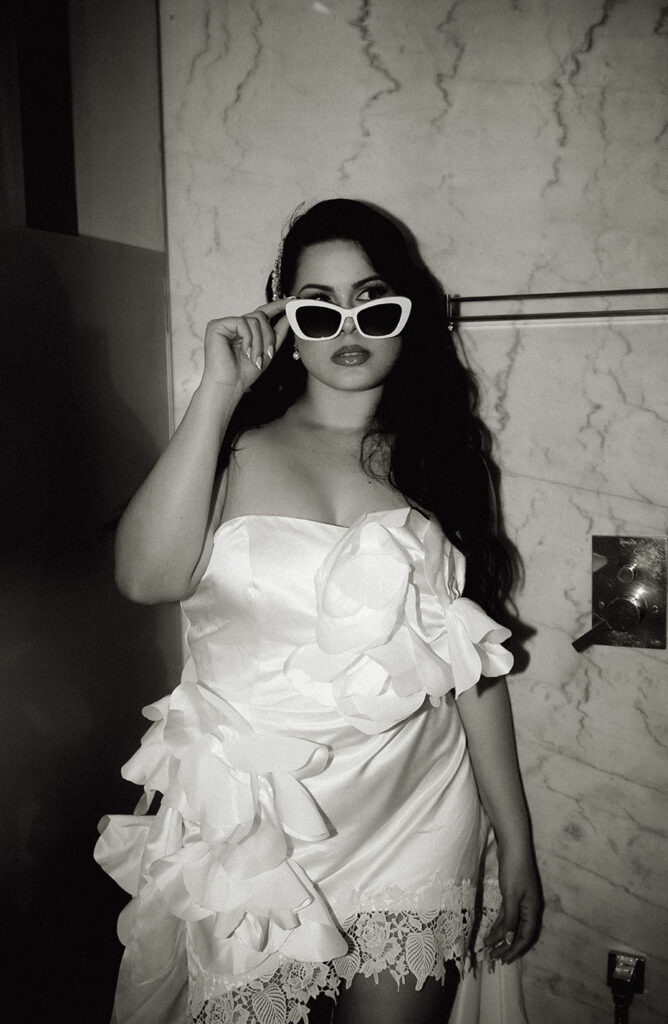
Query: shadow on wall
x=78, y=661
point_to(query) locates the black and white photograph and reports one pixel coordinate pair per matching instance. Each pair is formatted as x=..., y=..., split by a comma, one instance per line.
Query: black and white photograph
x=334, y=341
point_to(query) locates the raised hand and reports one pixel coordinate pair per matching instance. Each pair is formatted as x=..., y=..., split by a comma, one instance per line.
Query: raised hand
x=238, y=348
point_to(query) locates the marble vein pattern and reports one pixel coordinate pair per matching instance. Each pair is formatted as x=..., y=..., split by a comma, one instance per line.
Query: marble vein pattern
x=593, y=400
x=525, y=142
x=490, y=127
x=592, y=727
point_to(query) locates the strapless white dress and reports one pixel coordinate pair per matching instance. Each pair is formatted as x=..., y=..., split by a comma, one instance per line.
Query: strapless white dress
x=319, y=816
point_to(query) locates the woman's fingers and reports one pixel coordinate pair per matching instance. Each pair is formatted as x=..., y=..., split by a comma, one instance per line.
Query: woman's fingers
x=500, y=937
x=526, y=931
x=273, y=329
x=515, y=929
x=250, y=341
x=518, y=923
x=271, y=309
x=255, y=351
x=281, y=328
x=233, y=329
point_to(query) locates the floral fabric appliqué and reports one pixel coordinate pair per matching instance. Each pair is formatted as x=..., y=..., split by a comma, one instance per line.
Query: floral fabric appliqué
x=392, y=627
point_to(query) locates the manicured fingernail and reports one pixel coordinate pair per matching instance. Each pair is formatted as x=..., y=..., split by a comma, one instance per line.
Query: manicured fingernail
x=249, y=352
x=510, y=938
x=270, y=352
x=258, y=362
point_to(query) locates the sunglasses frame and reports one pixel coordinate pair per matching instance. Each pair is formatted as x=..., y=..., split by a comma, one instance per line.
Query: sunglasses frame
x=292, y=307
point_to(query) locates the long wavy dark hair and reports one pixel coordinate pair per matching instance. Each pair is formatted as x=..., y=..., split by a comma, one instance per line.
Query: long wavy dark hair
x=427, y=414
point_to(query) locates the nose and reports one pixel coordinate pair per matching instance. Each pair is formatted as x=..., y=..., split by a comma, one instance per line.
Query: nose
x=348, y=325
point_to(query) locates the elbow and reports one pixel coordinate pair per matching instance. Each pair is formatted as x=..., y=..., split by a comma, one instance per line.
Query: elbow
x=135, y=590
x=142, y=590
x=143, y=578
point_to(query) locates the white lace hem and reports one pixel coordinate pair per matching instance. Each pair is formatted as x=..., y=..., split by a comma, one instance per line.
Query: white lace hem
x=409, y=943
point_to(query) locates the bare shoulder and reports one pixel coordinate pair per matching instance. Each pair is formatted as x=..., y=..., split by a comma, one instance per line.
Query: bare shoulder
x=256, y=441
x=261, y=477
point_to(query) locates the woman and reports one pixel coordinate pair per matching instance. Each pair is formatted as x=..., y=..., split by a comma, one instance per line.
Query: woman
x=324, y=827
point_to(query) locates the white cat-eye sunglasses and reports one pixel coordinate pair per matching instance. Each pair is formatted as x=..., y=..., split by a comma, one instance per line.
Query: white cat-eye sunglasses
x=313, y=320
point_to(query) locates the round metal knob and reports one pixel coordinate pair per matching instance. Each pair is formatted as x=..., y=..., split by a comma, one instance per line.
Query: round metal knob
x=626, y=574
x=626, y=612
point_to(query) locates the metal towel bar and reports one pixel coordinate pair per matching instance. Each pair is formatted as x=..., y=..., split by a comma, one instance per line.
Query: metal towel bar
x=454, y=304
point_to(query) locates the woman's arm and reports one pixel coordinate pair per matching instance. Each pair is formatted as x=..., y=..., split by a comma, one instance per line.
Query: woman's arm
x=162, y=539
x=487, y=719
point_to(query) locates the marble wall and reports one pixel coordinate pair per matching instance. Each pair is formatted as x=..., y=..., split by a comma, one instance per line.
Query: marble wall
x=524, y=142
x=580, y=417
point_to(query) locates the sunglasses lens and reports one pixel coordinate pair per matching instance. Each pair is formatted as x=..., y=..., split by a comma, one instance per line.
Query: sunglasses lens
x=379, y=321
x=318, y=321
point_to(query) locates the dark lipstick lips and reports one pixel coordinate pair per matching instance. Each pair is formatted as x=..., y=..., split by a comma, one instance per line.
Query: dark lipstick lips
x=346, y=349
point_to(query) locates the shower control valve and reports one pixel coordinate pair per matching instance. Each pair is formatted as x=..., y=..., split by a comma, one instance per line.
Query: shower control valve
x=628, y=593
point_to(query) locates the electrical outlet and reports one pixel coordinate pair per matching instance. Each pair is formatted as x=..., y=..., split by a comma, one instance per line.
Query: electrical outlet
x=626, y=968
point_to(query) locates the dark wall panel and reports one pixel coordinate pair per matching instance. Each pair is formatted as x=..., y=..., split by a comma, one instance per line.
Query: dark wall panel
x=83, y=403
x=43, y=52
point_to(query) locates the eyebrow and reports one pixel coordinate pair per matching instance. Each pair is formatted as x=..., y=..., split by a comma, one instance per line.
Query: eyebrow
x=356, y=284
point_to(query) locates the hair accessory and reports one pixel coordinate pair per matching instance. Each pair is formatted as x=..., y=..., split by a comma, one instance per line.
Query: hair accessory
x=276, y=274
x=295, y=354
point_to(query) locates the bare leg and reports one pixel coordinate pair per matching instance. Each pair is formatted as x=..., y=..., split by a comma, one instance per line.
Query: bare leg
x=366, y=1002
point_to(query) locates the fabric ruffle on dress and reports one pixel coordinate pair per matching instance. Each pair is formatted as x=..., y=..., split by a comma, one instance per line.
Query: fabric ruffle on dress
x=219, y=891
x=216, y=853
x=392, y=627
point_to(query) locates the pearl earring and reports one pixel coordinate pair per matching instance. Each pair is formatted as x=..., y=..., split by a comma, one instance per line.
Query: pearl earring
x=295, y=354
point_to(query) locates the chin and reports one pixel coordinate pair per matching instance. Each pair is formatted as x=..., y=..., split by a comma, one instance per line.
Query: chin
x=357, y=382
